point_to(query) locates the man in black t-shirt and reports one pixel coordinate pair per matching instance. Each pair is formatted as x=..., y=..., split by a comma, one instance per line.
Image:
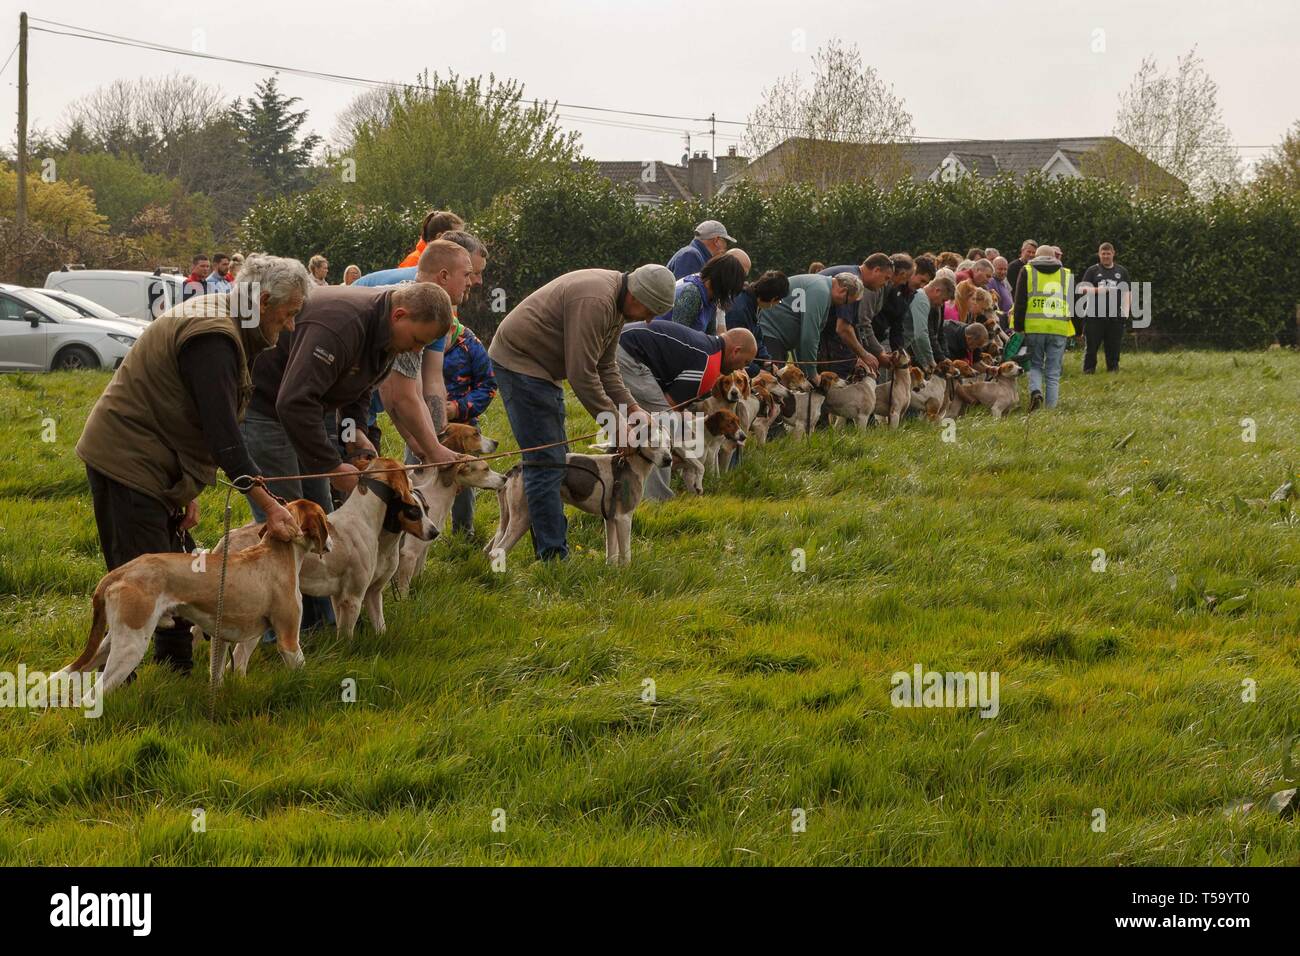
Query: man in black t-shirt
x=1106, y=284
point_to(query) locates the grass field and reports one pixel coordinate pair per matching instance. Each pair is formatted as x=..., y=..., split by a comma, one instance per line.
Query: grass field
x=1120, y=689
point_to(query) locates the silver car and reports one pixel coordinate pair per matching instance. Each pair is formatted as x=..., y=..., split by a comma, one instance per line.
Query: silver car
x=38, y=334
x=82, y=305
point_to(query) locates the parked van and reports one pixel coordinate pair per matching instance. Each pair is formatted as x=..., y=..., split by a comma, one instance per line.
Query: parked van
x=134, y=295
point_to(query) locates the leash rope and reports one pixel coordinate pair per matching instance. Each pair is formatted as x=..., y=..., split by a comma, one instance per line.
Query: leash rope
x=217, y=646
x=441, y=464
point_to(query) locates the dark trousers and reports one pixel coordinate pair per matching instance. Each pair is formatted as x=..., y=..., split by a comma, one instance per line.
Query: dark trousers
x=269, y=446
x=1099, y=331
x=462, y=512
x=535, y=410
x=130, y=524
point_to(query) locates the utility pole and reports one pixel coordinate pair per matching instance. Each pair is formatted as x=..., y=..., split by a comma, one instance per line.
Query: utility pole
x=20, y=205
x=713, y=132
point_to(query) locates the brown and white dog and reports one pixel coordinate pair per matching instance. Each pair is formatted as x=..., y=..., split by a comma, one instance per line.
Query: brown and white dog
x=439, y=486
x=404, y=556
x=687, y=448
x=957, y=371
x=1001, y=394
x=609, y=486
x=852, y=399
x=761, y=409
x=929, y=395
x=895, y=396
x=728, y=392
x=261, y=591
x=800, y=413
x=364, y=531
x=723, y=434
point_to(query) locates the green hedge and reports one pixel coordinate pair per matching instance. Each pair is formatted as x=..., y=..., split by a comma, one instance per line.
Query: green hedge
x=1214, y=268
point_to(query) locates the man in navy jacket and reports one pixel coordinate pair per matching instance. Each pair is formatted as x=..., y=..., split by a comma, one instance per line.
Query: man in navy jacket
x=710, y=240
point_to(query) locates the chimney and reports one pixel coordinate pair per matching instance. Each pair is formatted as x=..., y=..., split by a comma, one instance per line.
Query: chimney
x=699, y=176
x=730, y=164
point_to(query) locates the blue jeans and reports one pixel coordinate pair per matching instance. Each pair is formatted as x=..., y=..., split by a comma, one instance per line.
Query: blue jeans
x=535, y=410
x=1046, y=355
x=269, y=446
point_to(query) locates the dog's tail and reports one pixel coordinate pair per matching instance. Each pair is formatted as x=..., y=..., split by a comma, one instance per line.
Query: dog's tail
x=98, y=628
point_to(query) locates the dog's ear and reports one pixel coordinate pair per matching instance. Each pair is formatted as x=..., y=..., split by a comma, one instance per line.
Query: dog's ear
x=447, y=473
x=788, y=406
x=318, y=530
x=361, y=459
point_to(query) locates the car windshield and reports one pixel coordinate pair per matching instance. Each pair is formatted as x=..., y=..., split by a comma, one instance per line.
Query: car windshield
x=51, y=307
x=79, y=303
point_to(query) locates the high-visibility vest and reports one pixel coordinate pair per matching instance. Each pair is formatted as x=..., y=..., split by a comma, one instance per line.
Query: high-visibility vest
x=1047, y=304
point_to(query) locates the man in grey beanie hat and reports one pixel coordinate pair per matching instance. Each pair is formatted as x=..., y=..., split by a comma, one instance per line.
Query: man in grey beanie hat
x=568, y=330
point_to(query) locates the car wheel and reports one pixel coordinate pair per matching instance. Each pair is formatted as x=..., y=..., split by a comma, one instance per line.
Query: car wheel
x=75, y=358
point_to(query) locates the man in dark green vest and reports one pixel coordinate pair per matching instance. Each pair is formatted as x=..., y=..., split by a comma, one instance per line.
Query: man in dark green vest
x=171, y=415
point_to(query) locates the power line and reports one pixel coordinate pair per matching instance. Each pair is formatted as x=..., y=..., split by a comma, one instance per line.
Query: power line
x=86, y=33
x=8, y=58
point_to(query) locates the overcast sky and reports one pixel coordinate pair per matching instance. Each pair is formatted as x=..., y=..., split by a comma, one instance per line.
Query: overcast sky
x=978, y=70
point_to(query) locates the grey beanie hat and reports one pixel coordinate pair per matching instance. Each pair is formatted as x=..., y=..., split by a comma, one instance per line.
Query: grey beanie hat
x=654, y=287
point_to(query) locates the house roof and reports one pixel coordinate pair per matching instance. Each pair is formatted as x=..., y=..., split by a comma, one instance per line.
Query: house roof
x=991, y=157
x=666, y=182
x=984, y=158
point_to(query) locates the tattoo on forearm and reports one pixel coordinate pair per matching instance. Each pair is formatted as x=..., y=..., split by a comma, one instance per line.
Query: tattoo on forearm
x=438, y=412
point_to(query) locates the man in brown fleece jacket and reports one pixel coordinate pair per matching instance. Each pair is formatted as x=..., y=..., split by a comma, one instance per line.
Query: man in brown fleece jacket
x=568, y=329
x=343, y=342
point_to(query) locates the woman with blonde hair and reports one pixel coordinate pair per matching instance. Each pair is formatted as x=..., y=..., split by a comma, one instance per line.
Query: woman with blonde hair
x=319, y=268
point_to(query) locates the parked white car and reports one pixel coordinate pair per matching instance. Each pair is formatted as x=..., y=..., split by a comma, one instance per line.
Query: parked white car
x=129, y=294
x=83, y=306
x=38, y=334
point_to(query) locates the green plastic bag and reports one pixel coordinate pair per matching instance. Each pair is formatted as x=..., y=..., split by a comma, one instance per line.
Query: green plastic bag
x=1016, y=350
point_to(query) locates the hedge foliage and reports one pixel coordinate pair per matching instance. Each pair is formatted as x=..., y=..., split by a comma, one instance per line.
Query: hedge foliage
x=1214, y=267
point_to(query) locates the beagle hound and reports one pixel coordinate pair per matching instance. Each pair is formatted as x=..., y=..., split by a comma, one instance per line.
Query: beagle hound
x=261, y=591
x=1001, y=394
x=761, y=410
x=439, y=487
x=728, y=392
x=609, y=486
x=853, y=399
x=801, y=411
x=383, y=508
x=723, y=434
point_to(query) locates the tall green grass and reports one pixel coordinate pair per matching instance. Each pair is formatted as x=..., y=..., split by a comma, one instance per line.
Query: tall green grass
x=526, y=692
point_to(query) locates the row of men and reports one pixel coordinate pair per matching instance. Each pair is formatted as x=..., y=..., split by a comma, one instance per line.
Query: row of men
x=205, y=387
x=849, y=315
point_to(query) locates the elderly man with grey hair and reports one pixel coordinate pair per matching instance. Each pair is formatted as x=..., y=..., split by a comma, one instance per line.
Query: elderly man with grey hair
x=979, y=272
x=170, y=416
x=1002, y=289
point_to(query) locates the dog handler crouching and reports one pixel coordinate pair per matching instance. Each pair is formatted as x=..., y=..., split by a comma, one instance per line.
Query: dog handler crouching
x=171, y=415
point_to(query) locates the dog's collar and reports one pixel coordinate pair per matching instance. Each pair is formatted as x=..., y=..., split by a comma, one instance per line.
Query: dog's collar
x=394, y=507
